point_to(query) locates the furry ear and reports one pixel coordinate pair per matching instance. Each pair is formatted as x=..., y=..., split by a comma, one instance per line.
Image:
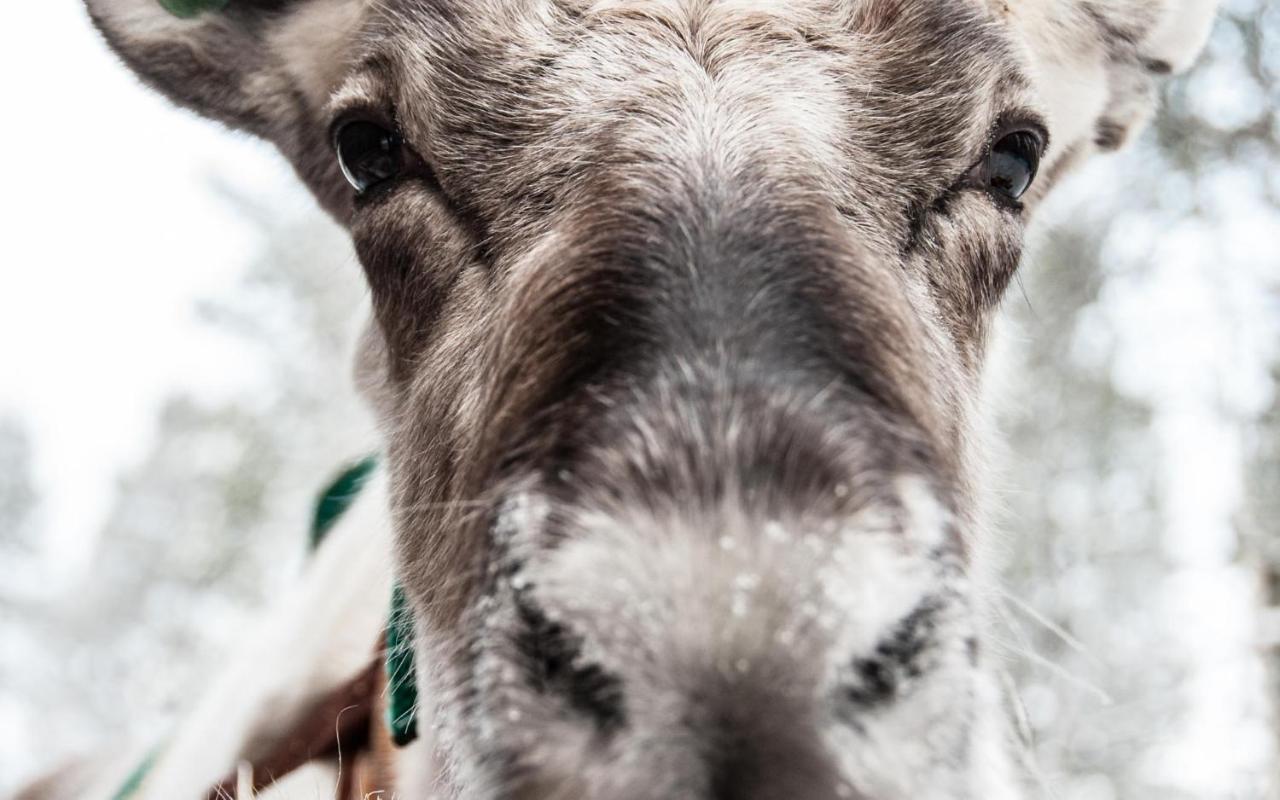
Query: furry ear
x=265, y=66
x=1097, y=62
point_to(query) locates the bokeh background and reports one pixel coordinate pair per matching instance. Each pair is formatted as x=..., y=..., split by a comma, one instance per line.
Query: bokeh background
x=176, y=319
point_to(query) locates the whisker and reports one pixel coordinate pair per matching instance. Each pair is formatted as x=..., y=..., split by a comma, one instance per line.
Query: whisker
x=1057, y=670
x=244, y=781
x=1049, y=625
x=337, y=737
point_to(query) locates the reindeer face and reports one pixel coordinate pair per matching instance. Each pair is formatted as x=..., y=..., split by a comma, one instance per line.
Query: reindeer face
x=679, y=309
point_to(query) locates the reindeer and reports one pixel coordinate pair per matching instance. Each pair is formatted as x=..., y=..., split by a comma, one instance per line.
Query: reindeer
x=679, y=311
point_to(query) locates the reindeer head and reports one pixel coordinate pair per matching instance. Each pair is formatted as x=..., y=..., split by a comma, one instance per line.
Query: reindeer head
x=679, y=312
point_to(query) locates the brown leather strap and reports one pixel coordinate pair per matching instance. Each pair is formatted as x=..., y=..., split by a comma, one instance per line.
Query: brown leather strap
x=341, y=722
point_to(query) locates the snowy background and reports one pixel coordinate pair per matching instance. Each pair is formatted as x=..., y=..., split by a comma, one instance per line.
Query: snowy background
x=175, y=327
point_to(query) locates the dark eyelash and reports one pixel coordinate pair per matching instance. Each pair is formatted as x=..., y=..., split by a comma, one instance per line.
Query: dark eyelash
x=1027, y=122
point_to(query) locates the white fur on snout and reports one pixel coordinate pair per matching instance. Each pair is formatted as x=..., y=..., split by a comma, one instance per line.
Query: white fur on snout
x=726, y=596
x=677, y=604
x=872, y=579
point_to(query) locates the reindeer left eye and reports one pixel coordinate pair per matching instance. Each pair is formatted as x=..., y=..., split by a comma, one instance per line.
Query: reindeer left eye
x=368, y=153
x=1010, y=165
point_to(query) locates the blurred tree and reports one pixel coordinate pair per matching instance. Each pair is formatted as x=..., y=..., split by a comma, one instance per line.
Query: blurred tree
x=216, y=513
x=18, y=496
x=18, y=549
x=1139, y=393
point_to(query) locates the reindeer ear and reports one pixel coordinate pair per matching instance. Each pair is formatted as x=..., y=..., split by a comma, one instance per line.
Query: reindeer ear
x=1097, y=62
x=264, y=66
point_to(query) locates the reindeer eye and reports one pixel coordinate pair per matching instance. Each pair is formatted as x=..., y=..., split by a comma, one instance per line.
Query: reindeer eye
x=368, y=153
x=1010, y=165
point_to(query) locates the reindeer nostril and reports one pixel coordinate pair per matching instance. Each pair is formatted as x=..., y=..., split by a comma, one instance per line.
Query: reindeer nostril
x=877, y=682
x=553, y=663
x=896, y=661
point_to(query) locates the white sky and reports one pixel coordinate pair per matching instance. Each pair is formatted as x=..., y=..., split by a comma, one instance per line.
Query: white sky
x=110, y=233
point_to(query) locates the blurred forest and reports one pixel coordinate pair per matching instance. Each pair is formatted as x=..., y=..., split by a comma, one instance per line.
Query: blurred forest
x=203, y=528
x=1136, y=473
x=1135, y=390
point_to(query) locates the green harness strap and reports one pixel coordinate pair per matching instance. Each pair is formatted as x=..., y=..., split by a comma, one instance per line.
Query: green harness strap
x=402, y=679
x=402, y=675
x=338, y=496
x=134, y=782
x=186, y=9
x=402, y=682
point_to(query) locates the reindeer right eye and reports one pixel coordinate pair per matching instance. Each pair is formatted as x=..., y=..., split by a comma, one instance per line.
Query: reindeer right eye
x=368, y=153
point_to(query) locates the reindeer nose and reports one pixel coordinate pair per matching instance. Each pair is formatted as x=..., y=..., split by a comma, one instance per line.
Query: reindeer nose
x=760, y=747
x=778, y=775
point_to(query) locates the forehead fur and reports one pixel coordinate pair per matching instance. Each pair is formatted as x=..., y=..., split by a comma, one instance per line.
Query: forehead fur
x=513, y=101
